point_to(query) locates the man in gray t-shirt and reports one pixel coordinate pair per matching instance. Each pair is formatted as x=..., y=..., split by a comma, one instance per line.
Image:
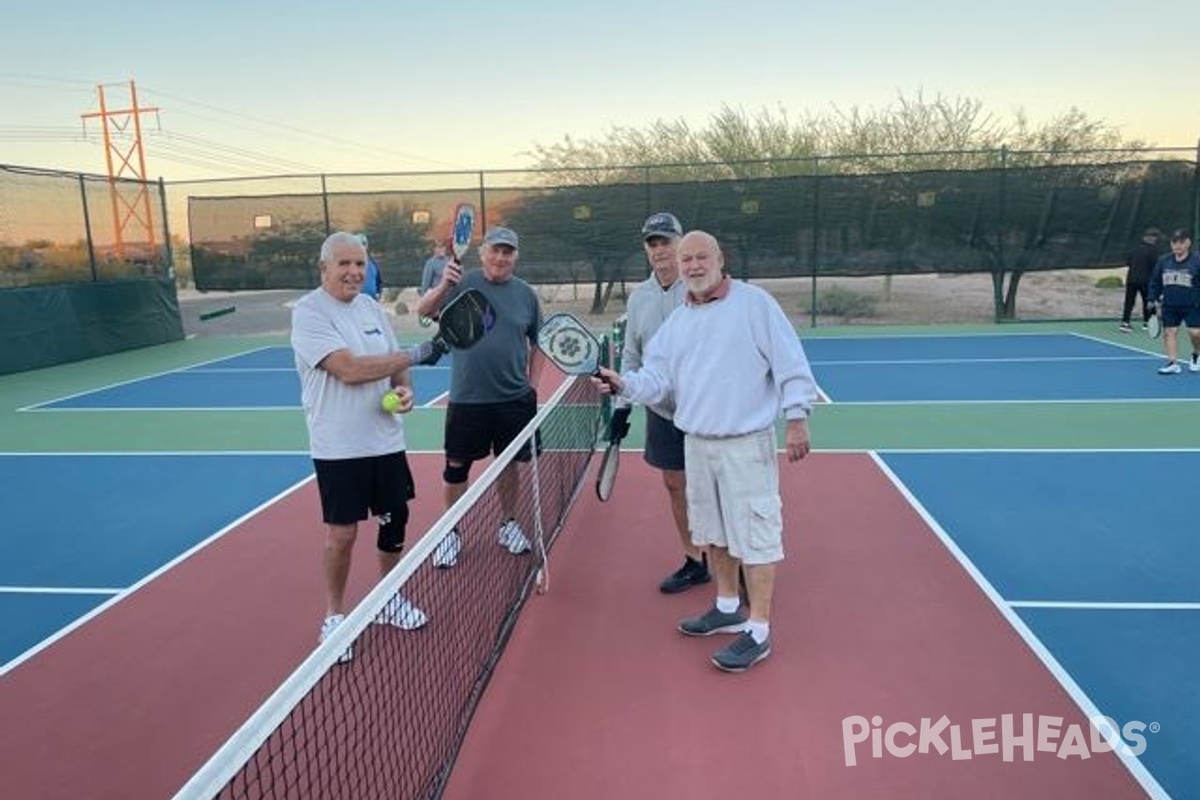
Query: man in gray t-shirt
x=650, y=303
x=492, y=394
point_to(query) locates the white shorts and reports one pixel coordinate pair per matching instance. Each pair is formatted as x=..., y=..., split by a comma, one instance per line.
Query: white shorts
x=733, y=495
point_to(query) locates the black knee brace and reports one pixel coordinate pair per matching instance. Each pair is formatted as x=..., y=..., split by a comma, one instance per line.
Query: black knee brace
x=391, y=530
x=456, y=473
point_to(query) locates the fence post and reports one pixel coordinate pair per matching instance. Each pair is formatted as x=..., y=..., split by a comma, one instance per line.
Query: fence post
x=1001, y=208
x=87, y=227
x=649, y=194
x=325, y=204
x=815, y=248
x=482, y=199
x=166, y=229
x=1196, y=194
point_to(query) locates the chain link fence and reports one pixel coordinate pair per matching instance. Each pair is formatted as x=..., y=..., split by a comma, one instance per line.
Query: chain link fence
x=65, y=228
x=844, y=238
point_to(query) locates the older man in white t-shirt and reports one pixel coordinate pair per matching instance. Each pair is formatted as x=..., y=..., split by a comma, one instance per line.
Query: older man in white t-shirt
x=347, y=357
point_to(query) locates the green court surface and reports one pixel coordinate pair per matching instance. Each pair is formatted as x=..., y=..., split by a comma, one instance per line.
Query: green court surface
x=994, y=426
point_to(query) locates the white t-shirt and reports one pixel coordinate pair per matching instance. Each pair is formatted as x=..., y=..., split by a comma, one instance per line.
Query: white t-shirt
x=344, y=420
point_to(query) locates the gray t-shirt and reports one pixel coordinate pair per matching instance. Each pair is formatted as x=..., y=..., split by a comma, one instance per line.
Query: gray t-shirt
x=344, y=420
x=496, y=369
x=648, y=308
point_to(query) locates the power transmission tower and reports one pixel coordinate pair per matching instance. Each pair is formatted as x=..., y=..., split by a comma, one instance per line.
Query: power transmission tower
x=128, y=186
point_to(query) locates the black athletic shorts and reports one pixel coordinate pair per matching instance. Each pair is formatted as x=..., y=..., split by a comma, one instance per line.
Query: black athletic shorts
x=664, y=443
x=354, y=488
x=476, y=430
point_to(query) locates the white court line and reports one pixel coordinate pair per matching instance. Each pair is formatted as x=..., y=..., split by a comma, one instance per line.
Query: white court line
x=121, y=595
x=1136, y=768
x=1105, y=606
x=237, y=370
x=1025, y=402
x=986, y=360
x=136, y=453
x=125, y=409
x=38, y=406
x=946, y=335
x=56, y=590
x=1039, y=450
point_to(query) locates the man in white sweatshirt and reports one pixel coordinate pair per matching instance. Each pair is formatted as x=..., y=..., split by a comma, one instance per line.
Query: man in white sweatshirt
x=732, y=361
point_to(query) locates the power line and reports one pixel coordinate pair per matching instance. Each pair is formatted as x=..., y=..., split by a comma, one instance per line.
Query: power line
x=183, y=148
x=325, y=138
x=184, y=141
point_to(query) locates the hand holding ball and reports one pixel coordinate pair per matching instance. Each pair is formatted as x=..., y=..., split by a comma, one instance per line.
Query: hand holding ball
x=397, y=401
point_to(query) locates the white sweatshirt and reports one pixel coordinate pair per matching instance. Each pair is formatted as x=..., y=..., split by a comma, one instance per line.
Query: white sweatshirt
x=732, y=364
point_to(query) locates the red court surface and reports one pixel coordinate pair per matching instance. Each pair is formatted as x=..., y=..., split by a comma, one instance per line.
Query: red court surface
x=597, y=695
x=143, y=694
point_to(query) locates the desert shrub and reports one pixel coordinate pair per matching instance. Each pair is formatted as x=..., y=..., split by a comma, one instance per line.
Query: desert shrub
x=837, y=301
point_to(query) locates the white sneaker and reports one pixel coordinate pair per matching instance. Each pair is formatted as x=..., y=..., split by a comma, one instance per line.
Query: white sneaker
x=403, y=614
x=1172, y=368
x=327, y=629
x=1195, y=365
x=513, y=538
x=445, y=555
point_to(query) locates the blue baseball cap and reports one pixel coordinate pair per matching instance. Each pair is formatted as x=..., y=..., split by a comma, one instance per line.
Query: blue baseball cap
x=501, y=236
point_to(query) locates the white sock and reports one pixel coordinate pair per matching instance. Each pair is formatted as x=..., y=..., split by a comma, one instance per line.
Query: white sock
x=728, y=605
x=759, y=630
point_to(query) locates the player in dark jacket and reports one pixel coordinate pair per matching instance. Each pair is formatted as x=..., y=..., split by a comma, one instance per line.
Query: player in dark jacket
x=1137, y=278
x=1175, y=286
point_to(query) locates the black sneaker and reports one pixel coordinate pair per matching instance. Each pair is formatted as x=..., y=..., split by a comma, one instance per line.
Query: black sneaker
x=692, y=573
x=742, y=653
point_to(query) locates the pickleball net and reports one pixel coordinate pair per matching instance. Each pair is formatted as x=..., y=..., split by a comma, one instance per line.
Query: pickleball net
x=388, y=722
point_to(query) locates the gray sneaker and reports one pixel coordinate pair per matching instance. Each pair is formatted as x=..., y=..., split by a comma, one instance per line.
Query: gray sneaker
x=713, y=621
x=742, y=653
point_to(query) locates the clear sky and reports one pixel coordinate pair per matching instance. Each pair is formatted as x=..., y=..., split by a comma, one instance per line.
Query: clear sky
x=270, y=87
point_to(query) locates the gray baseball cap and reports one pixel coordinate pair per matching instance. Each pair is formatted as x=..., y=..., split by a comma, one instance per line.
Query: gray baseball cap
x=501, y=236
x=662, y=224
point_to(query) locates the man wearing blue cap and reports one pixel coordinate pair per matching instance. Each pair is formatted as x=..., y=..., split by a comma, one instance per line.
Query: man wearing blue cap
x=492, y=394
x=650, y=303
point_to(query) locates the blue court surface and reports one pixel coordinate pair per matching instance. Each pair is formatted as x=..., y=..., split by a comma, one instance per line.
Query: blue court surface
x=263, y=379
x=1093, y=552
x=94, y=525
x=990, y=368
x=1096, y=553
x=1054, y=367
